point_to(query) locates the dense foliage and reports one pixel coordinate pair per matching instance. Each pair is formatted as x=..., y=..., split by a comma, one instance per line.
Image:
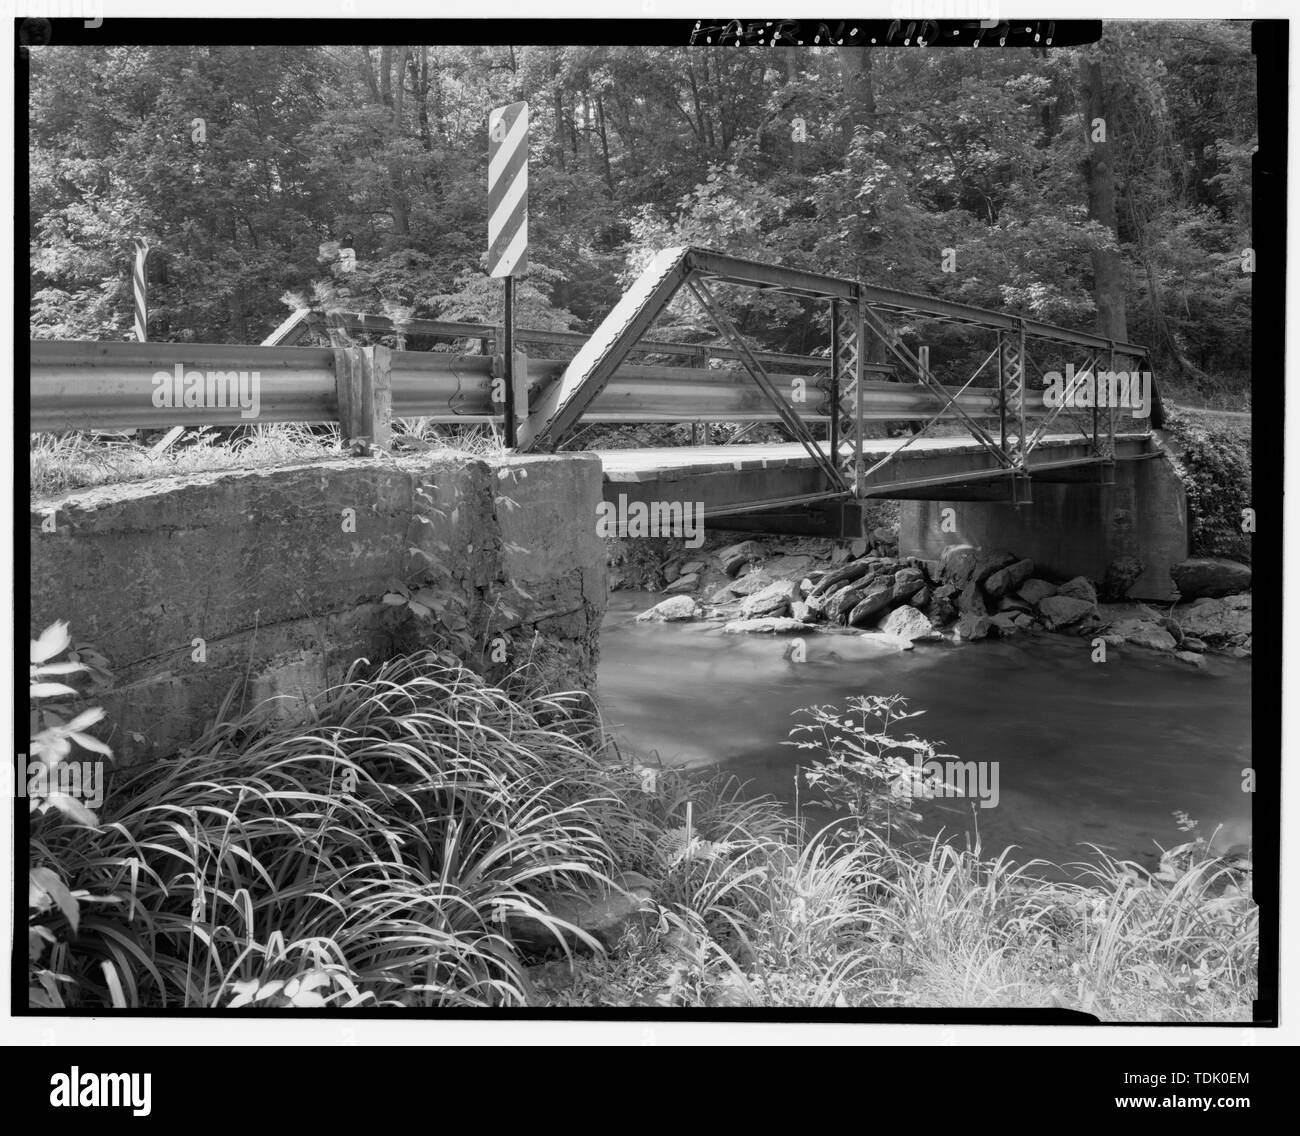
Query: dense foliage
x=1215, y=468
x=239, y=163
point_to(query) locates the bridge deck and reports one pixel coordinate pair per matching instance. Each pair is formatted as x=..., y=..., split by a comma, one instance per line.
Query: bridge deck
x=672, y=462
x=747, y=477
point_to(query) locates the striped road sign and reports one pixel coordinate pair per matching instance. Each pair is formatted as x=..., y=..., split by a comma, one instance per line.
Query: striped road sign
x=140, y=288
x=508, y=190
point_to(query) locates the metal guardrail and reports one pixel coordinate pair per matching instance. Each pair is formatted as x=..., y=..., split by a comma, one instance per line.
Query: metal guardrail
x=84, y=386
x=158, y=385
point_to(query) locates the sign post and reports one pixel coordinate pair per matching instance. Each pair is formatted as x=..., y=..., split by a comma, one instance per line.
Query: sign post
x=508, y=225
x=140, y=290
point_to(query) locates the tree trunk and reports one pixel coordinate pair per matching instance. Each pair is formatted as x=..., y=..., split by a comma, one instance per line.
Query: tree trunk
x=1099, y=173
x=859, y=93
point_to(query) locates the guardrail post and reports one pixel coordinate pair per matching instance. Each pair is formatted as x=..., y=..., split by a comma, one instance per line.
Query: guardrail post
x=378, y=365
x=519, y=380
x=363, y=385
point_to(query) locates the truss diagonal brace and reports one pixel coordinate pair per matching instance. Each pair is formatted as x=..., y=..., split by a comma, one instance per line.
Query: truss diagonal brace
x=913, y=365
x=751, y=364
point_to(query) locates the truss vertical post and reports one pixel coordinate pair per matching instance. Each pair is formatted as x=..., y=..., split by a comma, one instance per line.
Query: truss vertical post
x=1013, y=380
x=834, y=431
x=848, y=356
x=859, y=358
x=1002, y=395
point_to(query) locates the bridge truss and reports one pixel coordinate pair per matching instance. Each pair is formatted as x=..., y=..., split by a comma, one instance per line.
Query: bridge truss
x=857, y=311
x=605, y=376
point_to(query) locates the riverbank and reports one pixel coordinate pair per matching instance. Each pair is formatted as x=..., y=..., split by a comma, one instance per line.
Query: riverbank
x=471, y=845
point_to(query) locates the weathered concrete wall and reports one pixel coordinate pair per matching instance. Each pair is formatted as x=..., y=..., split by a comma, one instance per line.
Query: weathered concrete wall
x=1071, y=530
x=272, y=582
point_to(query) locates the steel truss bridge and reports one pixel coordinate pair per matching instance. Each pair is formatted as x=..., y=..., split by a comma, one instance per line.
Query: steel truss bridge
x=1008, y=437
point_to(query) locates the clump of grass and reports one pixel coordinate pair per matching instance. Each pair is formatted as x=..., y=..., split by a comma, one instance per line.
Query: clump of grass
x=858, y=923
x=61, y=462
x=81, y=459
x=377, y=855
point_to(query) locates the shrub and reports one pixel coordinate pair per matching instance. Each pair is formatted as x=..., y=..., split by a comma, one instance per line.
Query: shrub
x=376, y=855
x=1215, y=469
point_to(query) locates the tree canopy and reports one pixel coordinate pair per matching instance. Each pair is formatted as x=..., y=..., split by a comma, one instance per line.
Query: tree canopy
x=976, y=175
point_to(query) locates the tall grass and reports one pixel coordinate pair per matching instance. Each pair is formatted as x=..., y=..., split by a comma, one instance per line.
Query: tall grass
x=82, y=459
x=388, y=851
x=380, y=852
x=76, y=460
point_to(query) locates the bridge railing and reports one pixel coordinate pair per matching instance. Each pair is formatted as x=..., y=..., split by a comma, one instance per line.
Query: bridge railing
x=113, y=386
x=592, y=378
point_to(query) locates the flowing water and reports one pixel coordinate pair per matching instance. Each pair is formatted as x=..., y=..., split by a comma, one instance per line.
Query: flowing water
x=1087, y=753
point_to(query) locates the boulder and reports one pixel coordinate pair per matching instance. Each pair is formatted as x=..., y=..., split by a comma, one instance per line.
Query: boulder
x=802, y=612
x=604, y=915
x=957, y=564
x=846, y=575
x=971, y=627
x=907, y=623
x=736, y=556
x=1005, y=623
x=1080, y=588
x=671, y=610
x=905, y=589
x=775, y=599
x=772, y=624
x=671, y=570
x=941, y=613
x=922, y=598
x=693, y=566
x=972, y=600
x=1024, y=621
x=846, y=599
x=723, y=596
x=933, y=569
x=1193, y=645
x=1008, y=579
x=994, y=561
x=750, y=583
x=1143, y=633
x=1191, y=658
x=1012, y=604
x=1208, y=578
x=1219, y=621
x=859, y=548
x=683, y=584
x=1033, y=591
x=1061, y=611
x=877, y=598
x=1121, y=574
x=788, y=566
